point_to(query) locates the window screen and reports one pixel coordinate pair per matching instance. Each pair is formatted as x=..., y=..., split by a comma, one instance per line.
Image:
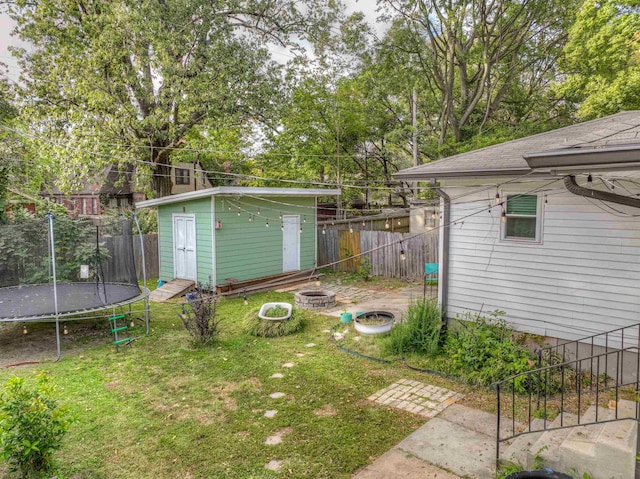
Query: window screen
x=522, y=221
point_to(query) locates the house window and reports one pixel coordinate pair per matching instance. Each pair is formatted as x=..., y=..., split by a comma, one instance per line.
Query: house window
x=94, y=206
x=522, y=220
x=182, y=176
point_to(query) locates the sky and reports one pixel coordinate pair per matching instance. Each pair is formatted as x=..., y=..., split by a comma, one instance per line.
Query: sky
x=368, y=7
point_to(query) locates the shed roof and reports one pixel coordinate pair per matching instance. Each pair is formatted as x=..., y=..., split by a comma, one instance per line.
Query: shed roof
x=508, y=159
x=236, y=191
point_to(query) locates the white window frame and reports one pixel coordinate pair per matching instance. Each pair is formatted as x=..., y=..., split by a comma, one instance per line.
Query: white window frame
x=539, y=218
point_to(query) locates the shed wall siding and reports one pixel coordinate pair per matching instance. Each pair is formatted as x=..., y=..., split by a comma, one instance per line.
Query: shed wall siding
x=582, y=279
x=247, y=250
x=201, y=208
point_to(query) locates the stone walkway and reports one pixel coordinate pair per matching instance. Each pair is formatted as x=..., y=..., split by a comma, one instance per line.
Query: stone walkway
x=416, y=397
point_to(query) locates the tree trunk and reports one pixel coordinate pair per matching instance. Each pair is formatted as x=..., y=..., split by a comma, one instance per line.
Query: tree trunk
x=161, y=176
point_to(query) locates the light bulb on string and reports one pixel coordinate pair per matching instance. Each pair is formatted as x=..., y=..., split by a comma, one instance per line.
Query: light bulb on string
x=503, y=216
x=399, y=223
x=250, y=218
x=300, y=230
x=282, y=227
x=433, y=214
x=546, y=201
x=324, y=230
x=589, y=178
x=244, y=297
x=258, y=210
x=238, y=211
x=350, y=228
x=65, y=330
x=497, y=197
x=304, y=219
x=24, y=329
x=363, y=223
x=266, y=225
x=403, y=256
x=386, y=224
x=280, y=216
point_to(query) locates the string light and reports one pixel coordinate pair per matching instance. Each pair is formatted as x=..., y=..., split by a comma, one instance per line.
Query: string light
x=250, y=218
x=503, y=217
x=245, y=299
x=282, y=227
x=386, y=224
x=24, y=329
x=399, y=223
x=258, y=210
x=589, y=178
x=403, y=256
x=433, y=214
x=238, y=211
x=497, y=197
x=324, y=230
x=280, y=216
x=65, y=330
x=304, y=219
x=266, y=225
x=363, y=223
x=301, y=230
x=546, y=201
x=350, y=228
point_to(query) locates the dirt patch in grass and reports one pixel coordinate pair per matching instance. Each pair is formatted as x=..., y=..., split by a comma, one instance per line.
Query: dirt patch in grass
x=326, y=411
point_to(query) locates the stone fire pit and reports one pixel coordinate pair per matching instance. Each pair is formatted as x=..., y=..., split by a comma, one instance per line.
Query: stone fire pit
x=315, y=299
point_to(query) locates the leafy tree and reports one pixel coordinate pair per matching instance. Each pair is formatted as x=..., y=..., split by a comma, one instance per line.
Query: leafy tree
x=135, y=79
x=603, y=73
x=478, y=61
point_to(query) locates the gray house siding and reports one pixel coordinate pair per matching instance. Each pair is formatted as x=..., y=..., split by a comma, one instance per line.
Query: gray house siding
x=582, y=278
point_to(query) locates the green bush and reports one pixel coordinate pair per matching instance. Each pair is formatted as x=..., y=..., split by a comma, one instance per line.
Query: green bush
x=32, y=425
x=200, y=315
x=486, y=349
x=265, y=328
x=419, y=332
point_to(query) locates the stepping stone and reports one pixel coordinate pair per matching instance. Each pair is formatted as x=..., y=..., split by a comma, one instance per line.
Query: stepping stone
x=356, y=338
x=277, y=395
x=287, y=365
x=277, y=376
x=310, y=345
x=326, y=411
x=273, y=440
x=274, y=465
x=271, y=413
x=300, y=355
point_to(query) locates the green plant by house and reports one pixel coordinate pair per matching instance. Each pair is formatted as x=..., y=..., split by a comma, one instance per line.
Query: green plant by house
x=419, y=332
x=200, y=316
x=32, y=425
x=486, y=349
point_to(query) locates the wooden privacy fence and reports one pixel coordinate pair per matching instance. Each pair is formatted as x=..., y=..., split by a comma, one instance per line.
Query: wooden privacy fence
x=336, y=248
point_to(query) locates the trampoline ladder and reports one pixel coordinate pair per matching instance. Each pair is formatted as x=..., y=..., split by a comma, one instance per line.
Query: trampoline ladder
x=115, y=329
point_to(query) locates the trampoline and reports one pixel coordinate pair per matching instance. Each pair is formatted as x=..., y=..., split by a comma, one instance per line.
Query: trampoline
x=36, y=302
x=71, y=269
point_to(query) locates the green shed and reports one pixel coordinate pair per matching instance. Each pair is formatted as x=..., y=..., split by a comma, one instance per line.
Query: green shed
x=231, y=234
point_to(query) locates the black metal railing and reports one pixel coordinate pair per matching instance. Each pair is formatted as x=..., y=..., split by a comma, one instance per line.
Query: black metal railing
x=563, y=387
x=620, y=338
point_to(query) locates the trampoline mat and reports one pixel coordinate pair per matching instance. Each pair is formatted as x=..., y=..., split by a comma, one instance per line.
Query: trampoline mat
x=33, y=301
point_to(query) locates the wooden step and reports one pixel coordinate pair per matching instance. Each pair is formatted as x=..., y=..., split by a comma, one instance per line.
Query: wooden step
x=173, y=288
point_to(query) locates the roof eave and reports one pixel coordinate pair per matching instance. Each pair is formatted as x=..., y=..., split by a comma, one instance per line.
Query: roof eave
x=236, y=190
x=452, y=174
x=587, y=159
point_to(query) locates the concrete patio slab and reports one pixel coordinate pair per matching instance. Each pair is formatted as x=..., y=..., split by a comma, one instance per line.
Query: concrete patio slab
x=396, y=464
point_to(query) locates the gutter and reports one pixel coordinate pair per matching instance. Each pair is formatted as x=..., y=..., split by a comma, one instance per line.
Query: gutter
x=574, y=188
x=443, y=275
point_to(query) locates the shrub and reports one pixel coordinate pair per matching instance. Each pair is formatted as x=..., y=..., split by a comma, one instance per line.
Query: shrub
x=265, y=328
x=485, y=350
x=419, y=332
x=200, y=315
x=276, y=312
x=32, y=425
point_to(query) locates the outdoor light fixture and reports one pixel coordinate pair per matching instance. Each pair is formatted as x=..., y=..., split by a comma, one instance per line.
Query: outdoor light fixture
x=504, y=216
x=386, y=224
x=497, y=197
x=250, y=217
x=266, y=225
x=350, y=228
x=304, y=219
x=258, y=210
x=65, y=330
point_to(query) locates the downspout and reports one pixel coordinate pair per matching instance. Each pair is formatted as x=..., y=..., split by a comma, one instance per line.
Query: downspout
x=443, y=270
x=573, y=187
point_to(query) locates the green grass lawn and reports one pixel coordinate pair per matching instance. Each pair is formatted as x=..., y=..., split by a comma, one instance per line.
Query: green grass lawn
x=162, y=409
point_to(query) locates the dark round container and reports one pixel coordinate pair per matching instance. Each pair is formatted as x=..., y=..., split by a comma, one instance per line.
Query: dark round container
x=539, y=474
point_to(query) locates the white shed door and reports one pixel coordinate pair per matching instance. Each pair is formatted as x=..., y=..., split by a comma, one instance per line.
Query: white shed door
x=184, y=255
x=291, y=243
